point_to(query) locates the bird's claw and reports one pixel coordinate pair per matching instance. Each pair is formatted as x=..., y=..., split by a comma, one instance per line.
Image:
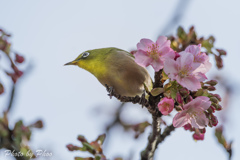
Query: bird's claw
x=110, y=90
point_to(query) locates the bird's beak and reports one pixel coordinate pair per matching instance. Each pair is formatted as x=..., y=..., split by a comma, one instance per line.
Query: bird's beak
x=71, y=63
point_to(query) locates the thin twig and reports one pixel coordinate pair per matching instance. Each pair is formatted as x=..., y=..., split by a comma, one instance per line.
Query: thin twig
x=11, y=98
x=166, y=133
x=153, y=140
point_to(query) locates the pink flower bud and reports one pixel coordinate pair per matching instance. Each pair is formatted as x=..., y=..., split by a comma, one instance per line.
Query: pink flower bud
x=189, y=99
x=214, y=120
x=179, y=98
x=211, y=88
x=72, y=147
x=214, y=100
x=81, y=138
x=184, y=92
x=211, y=109
x=219, y=61
x=38, y=124
x=198, y=136
x=187, y=127
x=204, y=87
x=221, y=52
x=218, y=97
x=19, y=73
x=211, y=82
x=19, y=59
x=219, y=107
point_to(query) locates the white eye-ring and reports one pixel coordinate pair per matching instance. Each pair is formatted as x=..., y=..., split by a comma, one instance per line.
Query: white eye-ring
x=85, y=54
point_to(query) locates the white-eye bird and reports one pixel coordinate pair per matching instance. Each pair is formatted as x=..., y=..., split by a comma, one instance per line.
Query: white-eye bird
x=117, y=69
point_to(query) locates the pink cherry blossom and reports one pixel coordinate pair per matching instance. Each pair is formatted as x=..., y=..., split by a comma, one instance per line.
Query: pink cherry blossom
x=185, y=71
x=166, y=105
x=193, y=113
x=154, y=54
x=199, y=57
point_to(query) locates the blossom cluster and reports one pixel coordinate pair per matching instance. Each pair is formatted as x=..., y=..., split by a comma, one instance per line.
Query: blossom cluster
x=186, y=90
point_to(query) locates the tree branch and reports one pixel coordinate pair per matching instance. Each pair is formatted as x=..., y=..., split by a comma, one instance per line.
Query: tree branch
x=166, y=133
x=152, y=108
x=153, y=140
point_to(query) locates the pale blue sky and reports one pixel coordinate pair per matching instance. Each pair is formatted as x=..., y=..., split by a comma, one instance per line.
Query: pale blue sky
x=51, y=33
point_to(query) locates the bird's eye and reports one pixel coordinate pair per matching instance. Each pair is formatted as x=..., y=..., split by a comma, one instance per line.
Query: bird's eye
x=85, y=54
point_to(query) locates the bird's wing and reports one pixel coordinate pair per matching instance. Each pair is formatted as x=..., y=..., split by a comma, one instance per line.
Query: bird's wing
x=128, y=75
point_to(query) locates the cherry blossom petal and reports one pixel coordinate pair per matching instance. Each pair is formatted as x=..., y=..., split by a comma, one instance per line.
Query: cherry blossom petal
x=163, y=42
x=170, y=55
x=188, y=105
x=198, y=101
x=180, y=119
x=157, y=65
x=207, y=65
x=142, y=58
x=194, y=123
x=185, y=59
x=201, y=120
x=205, y=104
x=170, y=68
x=144, y=44
x=190, y=83
x=200, y=76
x=164, y=51
x=194, y=49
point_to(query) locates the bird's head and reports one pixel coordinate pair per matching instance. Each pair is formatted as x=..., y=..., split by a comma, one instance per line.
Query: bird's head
x=92, y=60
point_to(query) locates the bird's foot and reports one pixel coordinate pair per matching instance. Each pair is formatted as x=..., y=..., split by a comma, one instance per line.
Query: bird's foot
x=137, y=99
x=110, y=90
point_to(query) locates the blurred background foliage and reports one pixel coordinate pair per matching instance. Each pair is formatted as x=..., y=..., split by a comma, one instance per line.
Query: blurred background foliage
x=71, y=102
